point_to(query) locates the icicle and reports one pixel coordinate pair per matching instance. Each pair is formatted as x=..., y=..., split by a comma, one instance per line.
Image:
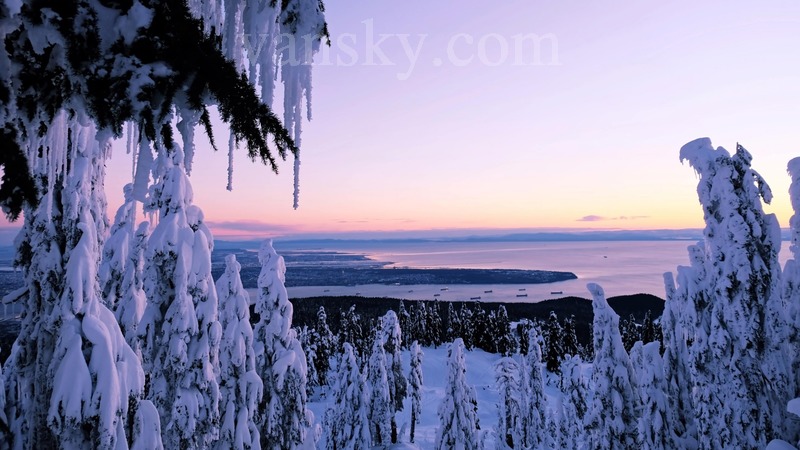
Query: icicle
x=296, y=203
x=189, y=120
x=231, y=148
x=144, y=163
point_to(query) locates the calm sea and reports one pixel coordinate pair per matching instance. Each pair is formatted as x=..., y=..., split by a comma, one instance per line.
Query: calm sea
x=620, y=267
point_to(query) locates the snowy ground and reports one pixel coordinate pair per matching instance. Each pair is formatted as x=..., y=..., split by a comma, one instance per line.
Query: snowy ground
x=480, y=374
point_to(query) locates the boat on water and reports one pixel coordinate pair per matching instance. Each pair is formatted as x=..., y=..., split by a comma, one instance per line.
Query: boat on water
x=444, y=289
x=487, y=292
x=474, y=298
x=521, y=289
x=556, y=292
x=437, y=295
x=522, y=295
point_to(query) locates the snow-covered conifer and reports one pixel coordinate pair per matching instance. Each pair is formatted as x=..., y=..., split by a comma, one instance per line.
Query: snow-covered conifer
x=397, y=383
x=282, y=414
x=380, y=410
x=130, y=307
x=553, y=335
x=453, y=324
x=739, y=345
x=574, y=387
x=115, y=258
x=405, y=324
x=504, y=340
x=350, y=330
x=677, y=360
x=326, y=345
x=346, y=421
x=467, y=326
x=433, y=324
x=240, y=386
x=612, y=419
x=459, y=428
x=180, y=329
x=508, y=376
x=655, y=431
x=70, y=374
x=415, y=381
x=533, y=422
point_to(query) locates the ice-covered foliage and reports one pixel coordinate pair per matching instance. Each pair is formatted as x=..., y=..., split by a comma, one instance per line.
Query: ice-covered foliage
x=346, y=419
x=380, y=409
x=459, y=428
x=240, y=386
x=612, y=420
x=70, y=374
x=398, y=385
x=415, y=381
x=739, y=350
x=533, y=407
x=180, y=329
x=280, y=361
x=508, y=376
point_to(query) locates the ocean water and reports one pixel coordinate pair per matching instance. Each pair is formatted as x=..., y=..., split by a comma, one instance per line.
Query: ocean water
x=620, y=267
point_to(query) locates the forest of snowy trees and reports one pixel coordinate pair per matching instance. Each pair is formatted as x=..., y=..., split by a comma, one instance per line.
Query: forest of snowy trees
x=127, y=341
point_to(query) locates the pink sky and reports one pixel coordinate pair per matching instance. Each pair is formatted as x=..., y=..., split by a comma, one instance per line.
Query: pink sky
x=455, y=120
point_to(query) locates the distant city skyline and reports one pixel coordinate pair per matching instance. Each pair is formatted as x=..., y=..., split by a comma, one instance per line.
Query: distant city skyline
x=519, y=115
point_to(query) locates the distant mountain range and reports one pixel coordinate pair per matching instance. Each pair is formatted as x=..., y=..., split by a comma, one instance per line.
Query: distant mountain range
x=543, y=236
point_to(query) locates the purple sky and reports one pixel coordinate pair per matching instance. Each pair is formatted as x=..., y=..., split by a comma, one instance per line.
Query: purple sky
x=444, y=114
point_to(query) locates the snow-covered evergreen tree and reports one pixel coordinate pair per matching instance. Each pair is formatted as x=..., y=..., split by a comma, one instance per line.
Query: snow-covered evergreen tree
x=326, y=345
x=397, y=383
x=415, y=381
x=70, y=374
x=678, y=382
x=508, y=376
x=459, y=428
x=553, y=334
x=504, y=339
x=280, y=362
x=655, y=431
x=405, y=324
x=115, y=258
x=180, y=328
x=453, y=324
x=350, y=330
x=612, y=418
x=346, y=420
x=131, y=305
x=533, y=421
x=739, y=343
x=573, y=403
x=240, y=386
x=791, y=288
x=569, y=343
x=73, y=74
x=380, y=408
x=467, y=326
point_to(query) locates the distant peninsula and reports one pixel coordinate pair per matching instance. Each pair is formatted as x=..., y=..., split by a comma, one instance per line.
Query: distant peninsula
x=328, y=268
